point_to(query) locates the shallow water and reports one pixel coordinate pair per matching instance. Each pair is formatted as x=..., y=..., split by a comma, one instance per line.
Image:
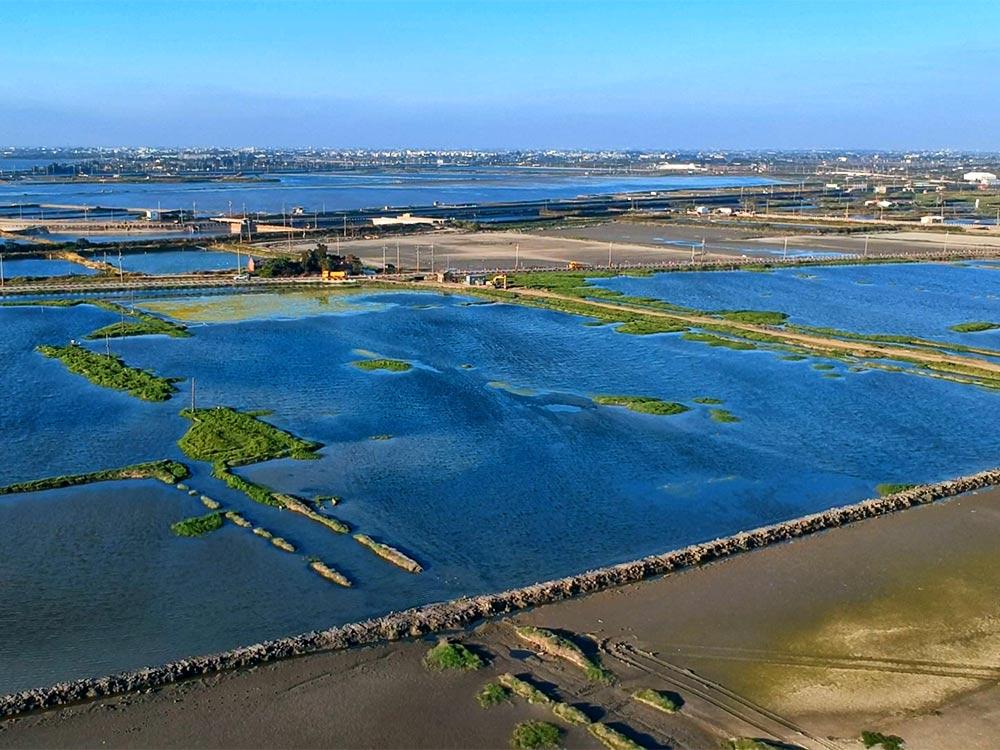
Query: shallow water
x=499, y=469
x=347, y=190
x=912, y=298
x=179, y=261
x=41, y=267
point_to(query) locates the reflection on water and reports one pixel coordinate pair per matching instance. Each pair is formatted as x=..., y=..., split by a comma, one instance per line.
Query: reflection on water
x=488, y=487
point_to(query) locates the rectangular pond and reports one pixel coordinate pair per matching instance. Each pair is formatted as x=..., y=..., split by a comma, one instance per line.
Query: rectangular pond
x=42, y=267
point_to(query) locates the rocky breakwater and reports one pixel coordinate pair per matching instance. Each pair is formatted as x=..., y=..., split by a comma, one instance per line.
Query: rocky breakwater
x=460, y=613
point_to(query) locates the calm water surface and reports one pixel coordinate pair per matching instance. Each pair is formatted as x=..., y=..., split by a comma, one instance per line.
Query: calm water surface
x=495, y=475
x=178, y=261
x=40, y=267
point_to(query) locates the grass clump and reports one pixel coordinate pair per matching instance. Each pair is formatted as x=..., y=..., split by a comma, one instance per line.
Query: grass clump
x=822, y=366
x=331, y=574
x=570, y=714
x=658, y=700
x=524, y=689
x=535, y=735
x=197, y=525
x=166, y=471
x=142, y=324
x=232, y=438
x=886, y=741
x=109, y=371
x=721, y=415
x=889, y=488
x=492, y=694
x=642, y=404
x=447, y=655
x=974, y=326
x=392, y=365
x=612, y=738
x=707, y=400
x=718, y=341
x=391, y=554
x=564, y=648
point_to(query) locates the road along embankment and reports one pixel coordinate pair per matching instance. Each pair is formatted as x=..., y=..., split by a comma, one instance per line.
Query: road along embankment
x=460, y=613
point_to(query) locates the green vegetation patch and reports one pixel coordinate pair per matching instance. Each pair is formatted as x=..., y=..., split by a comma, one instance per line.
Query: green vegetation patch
x=447, y=655
x=232, y=438
x=886, y=741
x=656, y=699
x=198, y=525
x=109, y=371
x=166, y=471
x=974, y=326
x=535, y=735
x=392, y=365
x=822, y=366
x=524, y=689
x=719, y=341
x=492, y=694
x=612, y=738
x=707, y=400
x=889, y=488
x=749, y=743
x=570, y=714
x=721, y=415
x=643, y=404
x=391, y=554
x=564, y=648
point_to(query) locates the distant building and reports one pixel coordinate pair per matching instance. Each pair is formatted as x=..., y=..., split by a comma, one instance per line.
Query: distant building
x=406, y=218
x=475, y=279
x=932, y=219
x=981, y=177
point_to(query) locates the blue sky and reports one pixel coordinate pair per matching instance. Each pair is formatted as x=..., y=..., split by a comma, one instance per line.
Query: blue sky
x=683, y=74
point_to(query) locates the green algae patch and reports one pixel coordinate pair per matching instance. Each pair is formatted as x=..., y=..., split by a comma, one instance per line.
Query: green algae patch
x=256, y=492
x=108, y=371
x=198, y=525
x=888, y=488
x=232, y=438
x=707, y=400
x=643, y=404
x=535, y=735
x=974, y=326
x=556, y=645
x=659, y=700
x=391, y=365
x=721, y=415
x=447, y=656
x=822, y=366
x=391, y=554
x=141, y=324
x=166, y=471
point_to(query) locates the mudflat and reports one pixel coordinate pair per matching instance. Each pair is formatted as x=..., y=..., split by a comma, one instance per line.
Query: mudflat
x=890, y=624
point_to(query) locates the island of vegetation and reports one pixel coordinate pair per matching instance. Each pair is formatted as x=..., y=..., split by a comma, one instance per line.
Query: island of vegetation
x=535, y=735
x=447, y=655
x=721, y=415
x=142, y=323
x=109, y=371
x=392, y=365
x=391, y=554
x=975, y=326
x=223, y=435
x=659, y=700
x=334, y=576
x=556, y=645
x=198, y=525
x=166, y=471
x=642, y=404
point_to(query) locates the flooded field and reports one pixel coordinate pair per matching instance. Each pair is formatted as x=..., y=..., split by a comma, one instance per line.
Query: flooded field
x=487, y=461
x=915, y=299
x=42, y=267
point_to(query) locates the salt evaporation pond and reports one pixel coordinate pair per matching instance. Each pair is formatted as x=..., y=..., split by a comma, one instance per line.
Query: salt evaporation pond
x=495, y=475
x=178, y=261
x=915, y=299
x=43, y=267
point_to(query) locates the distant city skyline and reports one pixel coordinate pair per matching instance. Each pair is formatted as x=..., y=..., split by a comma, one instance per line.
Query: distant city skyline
x=502, y=75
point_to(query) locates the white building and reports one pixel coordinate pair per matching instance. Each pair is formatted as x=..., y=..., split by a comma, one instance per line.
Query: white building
x=980, y=177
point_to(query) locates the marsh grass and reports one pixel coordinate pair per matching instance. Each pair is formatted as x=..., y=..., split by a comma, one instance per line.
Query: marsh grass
x=535, y=735
x=642, y=404
x=197, y=525
x=722, y=415
x=658, y=700
x=223, y=435
x=166, y=471
x=449, y=656
x=392, y=365
x=109, y=371
x=492, y=694
x=612, y=738
x=556, y=645
x=974, y=326
x=872, y=739
x=888, y=488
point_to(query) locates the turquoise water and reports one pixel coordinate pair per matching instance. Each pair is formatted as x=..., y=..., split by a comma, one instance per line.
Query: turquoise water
x=41, y=267
x=179, y=261
x=496, y=475
x=916, y=299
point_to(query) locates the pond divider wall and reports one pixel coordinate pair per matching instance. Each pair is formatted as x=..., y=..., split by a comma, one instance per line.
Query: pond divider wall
x=460, y=613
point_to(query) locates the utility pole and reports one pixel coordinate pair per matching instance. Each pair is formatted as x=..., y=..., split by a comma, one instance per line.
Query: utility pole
x=866, y=246
x=397, y=257
x=517, y=255
x=784, y=253
x=418, y=258
x=609, y=255
x=432, y=257
x=121, y=270
x=1, y=271
x=383, y=257
x=192, y=398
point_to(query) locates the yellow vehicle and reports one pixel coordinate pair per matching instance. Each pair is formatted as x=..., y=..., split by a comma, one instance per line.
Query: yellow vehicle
x=499, y=281
x=575, y=265
x=334, y=275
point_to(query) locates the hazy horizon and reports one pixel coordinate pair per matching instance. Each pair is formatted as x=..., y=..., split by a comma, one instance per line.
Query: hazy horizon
x=502, y=75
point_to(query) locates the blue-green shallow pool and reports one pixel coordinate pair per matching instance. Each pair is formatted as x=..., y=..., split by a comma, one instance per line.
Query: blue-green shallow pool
x=178, y=261
x=495, y=476
x=916, y=299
